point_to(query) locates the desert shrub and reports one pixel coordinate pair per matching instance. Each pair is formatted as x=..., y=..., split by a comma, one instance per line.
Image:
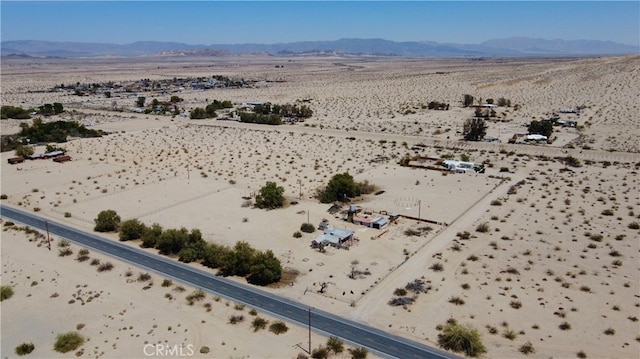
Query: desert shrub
x=509, y=334
x=565, y=325
x=335, y=345
x=234, y=319
x=67, y=214
x=259, y=323
x=6, y=292
x=297, y=234
x=527, y=348
x=167, y=283
x=105, y=267
x=307, y=228
x=204, y=350
x=400, y=301
x=610, y=331
x=496, y=202
x=515, y=304
x=66, y=251
x=634, y=225
x=456, y=301
x=278, y=327
x=461, y=338
x=358, y=353
x=437, y=267
x=463, y=235
x=400, y=292
x=64, y=243
x=24, y=349
x=320, y=353
x=67, y=342
x=143, y=277
x=581, y=354
x=607, y=212
x=483, y=227
x=3, y=196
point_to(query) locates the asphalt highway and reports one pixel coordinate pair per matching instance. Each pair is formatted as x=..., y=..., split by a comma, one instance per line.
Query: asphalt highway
x=375, y=340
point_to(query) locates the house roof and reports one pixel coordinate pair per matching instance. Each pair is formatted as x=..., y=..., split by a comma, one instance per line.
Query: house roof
x=334, y=235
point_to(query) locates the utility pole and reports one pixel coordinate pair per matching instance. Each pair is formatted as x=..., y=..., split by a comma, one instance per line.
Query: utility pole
x=309, y=330
x=419, y=205
x=46, y=225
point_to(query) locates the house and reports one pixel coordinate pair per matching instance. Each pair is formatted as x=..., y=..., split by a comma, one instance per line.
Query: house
x=333, y=237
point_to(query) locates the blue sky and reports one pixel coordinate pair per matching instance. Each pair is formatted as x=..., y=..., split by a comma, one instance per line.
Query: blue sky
x=235, y=22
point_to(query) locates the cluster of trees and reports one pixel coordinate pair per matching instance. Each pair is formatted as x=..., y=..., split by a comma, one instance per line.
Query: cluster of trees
x=48, y=109
x=484, y=112
x=199, y=113
x=342, y=186
x=261, y=268
x=56, y=131
x=18, y=113
x=252, y=117
x=286, y=110
x=474, y=129
x=15, y=112
x=467, y=100
x=544, y=127
x=41, y=132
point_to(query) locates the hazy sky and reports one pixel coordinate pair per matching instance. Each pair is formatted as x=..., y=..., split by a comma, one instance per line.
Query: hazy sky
x=235, y=22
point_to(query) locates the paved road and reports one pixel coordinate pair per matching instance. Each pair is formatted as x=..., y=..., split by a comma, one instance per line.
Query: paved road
x=376, y=340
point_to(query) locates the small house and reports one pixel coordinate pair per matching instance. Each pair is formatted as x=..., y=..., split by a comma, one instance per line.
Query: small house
x=333, y=237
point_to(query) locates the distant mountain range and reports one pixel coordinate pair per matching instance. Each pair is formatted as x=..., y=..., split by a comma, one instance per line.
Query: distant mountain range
x=510, y=47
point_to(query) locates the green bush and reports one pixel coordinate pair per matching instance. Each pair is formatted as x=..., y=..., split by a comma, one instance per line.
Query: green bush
x=358, y=353
x=131, y=229
x=67, y=342
x=307, y=228
x=25, y=348
x=271, y=196
x=278, y=327
x=335, y=345
x=107, y=221
x=259, y=323
x=6, y=292
x=461, y=338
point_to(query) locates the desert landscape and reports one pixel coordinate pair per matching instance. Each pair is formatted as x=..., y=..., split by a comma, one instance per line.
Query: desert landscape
x=539, y=253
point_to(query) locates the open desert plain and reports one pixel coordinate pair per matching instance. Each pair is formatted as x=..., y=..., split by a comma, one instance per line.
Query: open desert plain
x=538, y=252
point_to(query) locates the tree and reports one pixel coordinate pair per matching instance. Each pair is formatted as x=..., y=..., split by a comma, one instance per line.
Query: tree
x=467, y=100
x=151, y=235
x=461, y=338
x=474, y=129
x=271, y=196
x=24, y=151
x=240, y=259
x=198, y=113
x=132, y=229
x=266, y=269
x=140, y=101
x=544, y=128
x=340, y=187
x=358, y=353
x=58, y=108
x=107, y=221
x=6, y=292
x=214, y=255
x=172, y=241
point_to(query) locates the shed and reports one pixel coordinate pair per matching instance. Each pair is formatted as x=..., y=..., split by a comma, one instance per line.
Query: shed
x=333, y=236
x=379, y=223
x=61, y=159
x=15, y=160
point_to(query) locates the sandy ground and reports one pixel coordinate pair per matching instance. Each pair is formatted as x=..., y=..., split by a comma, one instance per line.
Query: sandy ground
x=550, y=254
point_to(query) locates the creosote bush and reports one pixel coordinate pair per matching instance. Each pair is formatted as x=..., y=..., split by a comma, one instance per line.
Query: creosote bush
x=24, y=349
x=278, y=327
x=461, y=338
x=67, y=342
x=6, y=292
